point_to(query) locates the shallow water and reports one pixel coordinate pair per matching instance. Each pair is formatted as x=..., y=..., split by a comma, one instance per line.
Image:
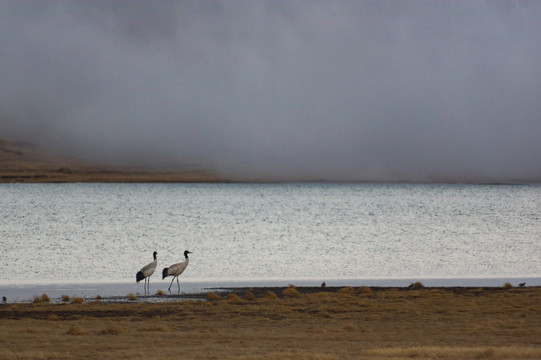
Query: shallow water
x=104, y=233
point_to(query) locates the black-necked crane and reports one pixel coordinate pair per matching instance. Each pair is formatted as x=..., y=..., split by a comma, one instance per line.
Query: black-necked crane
x=176, y=269
x=147, y=271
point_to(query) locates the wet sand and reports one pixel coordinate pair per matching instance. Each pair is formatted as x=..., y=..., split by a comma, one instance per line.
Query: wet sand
x=284, y=323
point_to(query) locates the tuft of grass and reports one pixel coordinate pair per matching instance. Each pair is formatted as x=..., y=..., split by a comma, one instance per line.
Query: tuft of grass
x=37, y=300
x=416, y=286
x=234, y=298
x=112, y=330
x=160, y=293
x=249, y=295
x=98, y=297
x=75, y=330
x=132, y=297
x=291, y=291
x=77, y=300
x=65, y=298
x=270, y=295
x=45, y=298
x=346, y=291
x=323, y=314
x=213, y=296
x=365, y=290
x=507, y=286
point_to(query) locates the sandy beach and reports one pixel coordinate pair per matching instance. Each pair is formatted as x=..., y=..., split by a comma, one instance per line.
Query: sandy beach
x=283, y=323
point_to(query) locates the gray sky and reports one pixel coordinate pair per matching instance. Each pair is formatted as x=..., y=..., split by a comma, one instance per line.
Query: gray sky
x=334, y=90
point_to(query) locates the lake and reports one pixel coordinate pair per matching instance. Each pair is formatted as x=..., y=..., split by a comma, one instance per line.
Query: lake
x=256, y=233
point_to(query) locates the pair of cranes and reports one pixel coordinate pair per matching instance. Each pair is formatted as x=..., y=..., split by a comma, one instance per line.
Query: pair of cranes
x=174, y=270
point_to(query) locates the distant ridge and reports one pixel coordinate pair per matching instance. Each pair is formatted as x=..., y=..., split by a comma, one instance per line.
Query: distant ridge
x=26, y=162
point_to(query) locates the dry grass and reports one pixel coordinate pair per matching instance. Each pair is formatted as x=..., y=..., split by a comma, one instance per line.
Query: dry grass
x=365, y=290
x=65, y=298
x=290, y=291
x=249, y=295
x=330, y=324
x=416, y=285
x=75, y=330
x=29, y=331
x=77, y=300
x=132, y=297
x=346, y=291
x=447, y=352
x=234, y=298
x=39, y=299
x=112, y=330
x=213, y=296
x=25, y=162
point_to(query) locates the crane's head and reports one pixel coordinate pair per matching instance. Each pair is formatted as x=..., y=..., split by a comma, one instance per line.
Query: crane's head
x=155, y=254
x=186, y=252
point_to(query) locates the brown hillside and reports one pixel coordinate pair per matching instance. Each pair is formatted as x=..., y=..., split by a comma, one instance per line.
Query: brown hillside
x=22, y=161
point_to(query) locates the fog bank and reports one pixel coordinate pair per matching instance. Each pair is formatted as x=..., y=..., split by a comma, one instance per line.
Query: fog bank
x=329, y=90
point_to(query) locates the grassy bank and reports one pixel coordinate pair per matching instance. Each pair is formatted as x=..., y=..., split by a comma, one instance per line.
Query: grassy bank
x=284, y=323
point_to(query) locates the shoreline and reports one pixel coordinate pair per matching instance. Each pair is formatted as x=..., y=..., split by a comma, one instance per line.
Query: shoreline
x=119, y=292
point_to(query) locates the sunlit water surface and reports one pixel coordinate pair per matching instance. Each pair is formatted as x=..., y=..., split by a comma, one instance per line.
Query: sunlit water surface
x=104, y=233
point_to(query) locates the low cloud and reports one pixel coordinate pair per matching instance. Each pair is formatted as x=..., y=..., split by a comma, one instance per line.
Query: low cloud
x=341, y=90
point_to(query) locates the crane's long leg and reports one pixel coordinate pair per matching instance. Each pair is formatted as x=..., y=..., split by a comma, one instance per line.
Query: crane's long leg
x=171, y=284
x=178, y=285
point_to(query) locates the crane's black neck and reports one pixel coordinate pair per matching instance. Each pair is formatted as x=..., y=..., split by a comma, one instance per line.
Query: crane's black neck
x=186, y=254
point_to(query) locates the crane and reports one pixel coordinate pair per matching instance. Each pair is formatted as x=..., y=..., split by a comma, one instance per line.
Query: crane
x=176, y=269
x=147, y=271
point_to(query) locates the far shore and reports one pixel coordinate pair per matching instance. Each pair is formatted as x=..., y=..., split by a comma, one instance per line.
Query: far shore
x=25, y=162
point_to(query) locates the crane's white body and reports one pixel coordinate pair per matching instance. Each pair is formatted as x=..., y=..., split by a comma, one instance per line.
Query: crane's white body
x=176, y=269
x=147, y=271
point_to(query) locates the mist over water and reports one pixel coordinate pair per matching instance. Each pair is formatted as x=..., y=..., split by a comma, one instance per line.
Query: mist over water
x=330, y=90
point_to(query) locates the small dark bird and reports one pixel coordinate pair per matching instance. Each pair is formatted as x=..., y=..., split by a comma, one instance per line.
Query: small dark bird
x=323, y=284
x=4, y=300
x=522, y=284
x=147, y=271
x=176, y=269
